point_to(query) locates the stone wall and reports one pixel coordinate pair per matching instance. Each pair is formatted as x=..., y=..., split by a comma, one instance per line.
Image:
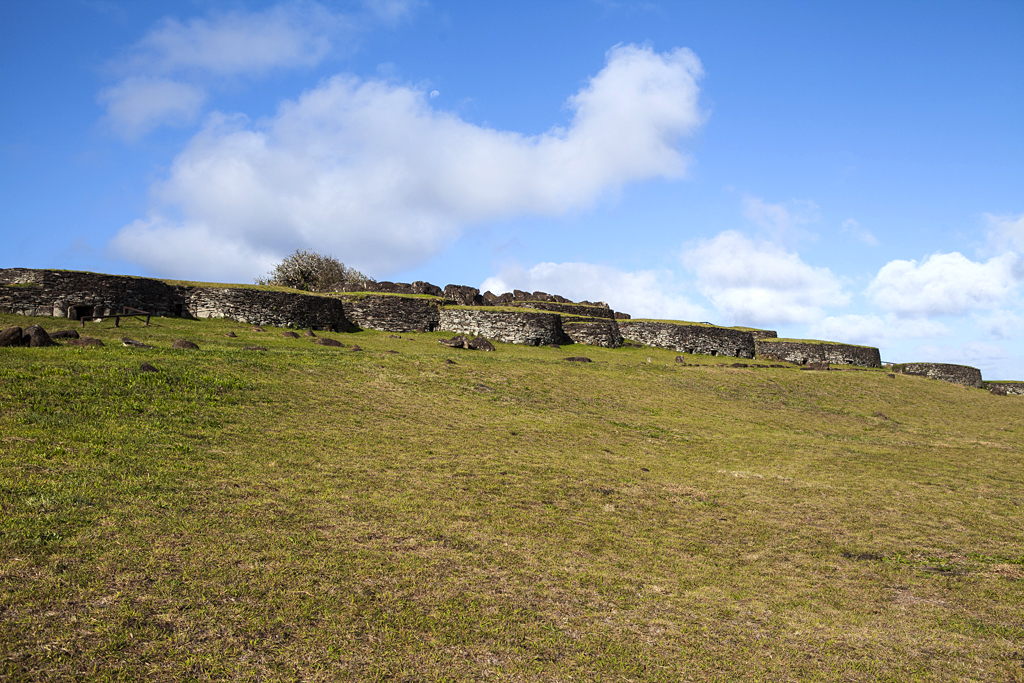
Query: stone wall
x=1014, y=388
x=587, y=310
x=957, y=374
x=418, y=287
x=803, y=352
x=392, y=313
x=593, y=332
x=684, y=338
x=261, y=307
x=763, y=334
x=526, y=327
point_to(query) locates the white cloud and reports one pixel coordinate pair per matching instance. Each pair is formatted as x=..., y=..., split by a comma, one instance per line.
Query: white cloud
x=782, y=222
x=851, y=226
x=944, y=284
x=1007, y=231
x=759, y=283
x=642, y=294
x=1000, y=324
x=372, y=174
x=137, y=105
x=873, y=330
x=286, y=35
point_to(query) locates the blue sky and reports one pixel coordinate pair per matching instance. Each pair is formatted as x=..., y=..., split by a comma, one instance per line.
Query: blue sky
x=846, y=171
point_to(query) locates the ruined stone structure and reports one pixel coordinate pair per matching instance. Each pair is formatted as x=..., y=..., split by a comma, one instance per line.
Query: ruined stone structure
x=257, y=307
x=588, y=310
x=804, y=352
x=957, y=374
x=593, y=332
x=1012, y=388
x=533, y=328
x=690, y=338
x=392, y=313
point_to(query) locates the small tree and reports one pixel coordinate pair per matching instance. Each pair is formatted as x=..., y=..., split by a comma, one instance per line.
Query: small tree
x=313, y=272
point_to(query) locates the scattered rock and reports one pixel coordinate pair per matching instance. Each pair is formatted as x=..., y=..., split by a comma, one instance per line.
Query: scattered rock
x=309, y=332
x=84, y=341
x=579, y=359
x=393, y=336
x=355, y=347
x=230, y=334
x=998, y=391
x=137, y=344
x=36, y=336
x=324, y=341
x=390, y=351
x=644, y=469
x=456, y=342
x=64, y=334
x=254, y=348
x=146, y=367
x=680, y=360
x=449, y=361
x=823, y=365
x=290, y=335
x=481, y=344
x=12, y=336
x=891, y=376
x=257, y=329
x=745, y=365
x=184, y=344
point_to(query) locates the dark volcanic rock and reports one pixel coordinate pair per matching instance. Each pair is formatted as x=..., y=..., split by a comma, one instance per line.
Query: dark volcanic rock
x=146, y=367
x=449, y=361
x=821, y=365
x=65, y=334
x=355, y=347
x=290, y=335
x=462, y=295
x=680, y=360
x=309, y=333
x=324, y=341
x=456, y=342
x=37, y=336
x=998, y=391
x=184, y=344
x=133, y=343
x=12, y=336
x=579, y=359
x=84, y=341
x=257, y=329
x=230, y=334
x=481, y=344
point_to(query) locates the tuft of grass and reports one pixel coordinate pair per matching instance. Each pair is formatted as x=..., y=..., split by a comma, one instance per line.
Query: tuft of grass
x=317, y=513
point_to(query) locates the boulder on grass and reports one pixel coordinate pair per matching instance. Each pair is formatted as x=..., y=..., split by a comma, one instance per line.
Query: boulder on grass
x=37, y=336
x=84, y=341
x=12, y=336
x=457, y=342
x=64, y=334
x=184, y=344
x=324, y=341
x=481, y=344
x=290, y=335
x=309, y=332
x=579, y=359
x=146, y=367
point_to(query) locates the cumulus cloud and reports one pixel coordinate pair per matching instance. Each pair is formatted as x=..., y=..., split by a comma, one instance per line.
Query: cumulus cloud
x=781, y=222
x=642, y=294
x=137, y=105
x=874, y=330
x=370, y=172
x=945, y=284
x=760, y=283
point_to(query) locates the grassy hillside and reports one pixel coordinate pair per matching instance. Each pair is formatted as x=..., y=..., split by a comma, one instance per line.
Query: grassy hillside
x=313, y=513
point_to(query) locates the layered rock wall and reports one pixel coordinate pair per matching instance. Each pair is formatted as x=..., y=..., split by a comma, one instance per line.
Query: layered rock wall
x=803, y=352
x=589, y=311
x=1013, y=388
x=684, y=338
x=957, y=374
x=593, y=332
x=526, y=327
x=392, y=313
x=261, y=307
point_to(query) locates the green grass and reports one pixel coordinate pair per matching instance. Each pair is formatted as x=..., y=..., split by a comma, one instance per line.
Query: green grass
x=318, y=514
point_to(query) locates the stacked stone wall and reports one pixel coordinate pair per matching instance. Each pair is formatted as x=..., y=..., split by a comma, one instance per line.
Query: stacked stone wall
x=763, y=334
x=817, y=352
x=593, y=332
x=418, y=287
x=530, y=328
x=392, y=313
x=1013, y=388
x=957, y=374
x=72, y=294
x=567, y=308
x=261, y=307
x=683, y=338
